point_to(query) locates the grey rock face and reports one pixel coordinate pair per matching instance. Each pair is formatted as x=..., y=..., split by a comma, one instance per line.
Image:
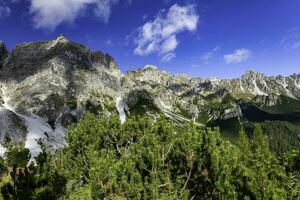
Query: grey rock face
x=53, y=83
x=231, y=113
x=46, y=86
x=43, y=77
x=270, y=100
x=12, y=126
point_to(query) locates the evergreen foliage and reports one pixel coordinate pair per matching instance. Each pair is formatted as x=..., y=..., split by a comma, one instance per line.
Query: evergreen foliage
x=283, y=136
x=40, y=181
x=141, y=159
x=144, y=160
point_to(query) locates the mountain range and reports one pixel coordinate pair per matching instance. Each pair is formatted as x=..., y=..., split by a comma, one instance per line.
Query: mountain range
x=47, y=86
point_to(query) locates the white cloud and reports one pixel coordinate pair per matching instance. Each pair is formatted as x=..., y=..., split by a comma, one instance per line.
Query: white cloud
x=209, y=55
x=48, y=14
x=169, y=44
x=159, y=35
x=238, y=56
x=168, y=57
x=103, y=9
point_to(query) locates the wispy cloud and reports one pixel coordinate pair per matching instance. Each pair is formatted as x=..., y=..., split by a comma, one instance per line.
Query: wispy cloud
x=238, y=56
x=210, y=55
x=159, y=35
x=168, y=57
x=289, y=37
x=5, y=10
x=296, y=45
x=48, y=14
x=292, y=39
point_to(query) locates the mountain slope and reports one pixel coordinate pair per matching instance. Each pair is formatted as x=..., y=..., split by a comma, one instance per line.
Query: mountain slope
x=46, y=86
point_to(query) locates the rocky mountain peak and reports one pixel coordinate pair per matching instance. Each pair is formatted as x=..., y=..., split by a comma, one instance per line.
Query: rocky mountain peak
x=59, y=40
x=62, y=38
x=253, y=75
x=30, y=58
x=106, y=61
x=150, y=67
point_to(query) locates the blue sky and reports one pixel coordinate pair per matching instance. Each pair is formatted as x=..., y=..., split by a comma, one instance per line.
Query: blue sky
x=201, y=38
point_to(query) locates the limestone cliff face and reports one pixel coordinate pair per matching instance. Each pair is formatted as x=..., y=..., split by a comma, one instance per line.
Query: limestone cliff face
x=46, y=86
x=180, y=96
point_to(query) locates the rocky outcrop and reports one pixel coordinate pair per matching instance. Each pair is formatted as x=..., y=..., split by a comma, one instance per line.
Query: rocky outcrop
x=235, y=112
x=270, y=100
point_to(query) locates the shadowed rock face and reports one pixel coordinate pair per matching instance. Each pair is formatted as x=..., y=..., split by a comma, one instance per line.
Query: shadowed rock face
x=12, y=126
x=40, y=77
x=3, y=54
x=59, y=81
x=28, y=59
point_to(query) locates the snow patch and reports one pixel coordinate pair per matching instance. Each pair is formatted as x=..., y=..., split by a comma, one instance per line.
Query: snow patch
x=151, y=67
x=2, y=151
x=164, y=105
x=241, y=86
x=53, y=43
x=37, y=129
x=266, y=85
x=256, y=90
x=297, y=84
x=214, y=81
x=120, y=107
x=285, y=85
x=268, y=88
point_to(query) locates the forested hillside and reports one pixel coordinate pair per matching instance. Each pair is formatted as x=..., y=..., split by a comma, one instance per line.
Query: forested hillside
x=142, y=159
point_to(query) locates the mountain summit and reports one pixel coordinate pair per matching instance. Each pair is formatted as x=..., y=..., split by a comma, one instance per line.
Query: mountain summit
x=46, y=86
